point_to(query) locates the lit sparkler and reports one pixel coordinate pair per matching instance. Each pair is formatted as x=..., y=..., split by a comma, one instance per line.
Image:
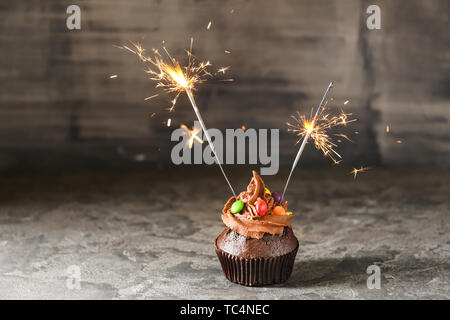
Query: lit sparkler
x=169, y=75
x=319, y=131
x=173, y=78
x=309, y=126
x=317, y=128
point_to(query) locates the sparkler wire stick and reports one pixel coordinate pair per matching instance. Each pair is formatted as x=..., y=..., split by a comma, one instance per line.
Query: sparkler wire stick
x=305, y=139
x=200, y=119
x=171, y=77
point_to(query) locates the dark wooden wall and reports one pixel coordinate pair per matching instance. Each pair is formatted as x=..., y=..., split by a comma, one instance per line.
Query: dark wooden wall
x=58, y=104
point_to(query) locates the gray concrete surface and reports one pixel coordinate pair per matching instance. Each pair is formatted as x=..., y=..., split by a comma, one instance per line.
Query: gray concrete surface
x=149, y=235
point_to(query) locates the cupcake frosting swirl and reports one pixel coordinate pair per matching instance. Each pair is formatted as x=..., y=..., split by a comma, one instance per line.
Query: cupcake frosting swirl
x=247, y=222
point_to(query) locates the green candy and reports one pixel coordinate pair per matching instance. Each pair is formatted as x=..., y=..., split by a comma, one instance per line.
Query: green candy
x=237, y=206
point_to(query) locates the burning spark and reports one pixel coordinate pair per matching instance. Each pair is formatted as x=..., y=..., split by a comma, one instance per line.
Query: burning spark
x=113, y=76
x=151, y=97
x=227, y=51
x=388, y=129
x=169, y=75
x=223, y=70
x=153, y=114
x=169, y=121
x=399, y=141
x=346, y=101
x=356, y=171
x=343, y=136
x=318, y=131
x=243, y=128
x=209, y=25
x=192, y=135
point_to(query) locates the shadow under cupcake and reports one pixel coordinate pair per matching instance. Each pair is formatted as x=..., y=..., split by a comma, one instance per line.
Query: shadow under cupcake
x=258, y=246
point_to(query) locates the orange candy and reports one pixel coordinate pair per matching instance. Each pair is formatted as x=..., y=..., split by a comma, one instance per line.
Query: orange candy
x=279, y=211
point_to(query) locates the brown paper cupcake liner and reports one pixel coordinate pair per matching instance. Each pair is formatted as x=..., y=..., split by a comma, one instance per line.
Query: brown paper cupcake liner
x=257, y=271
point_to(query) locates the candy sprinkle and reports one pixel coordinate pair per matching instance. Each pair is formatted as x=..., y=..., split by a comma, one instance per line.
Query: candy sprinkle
x=279, y=211
x=237, y=206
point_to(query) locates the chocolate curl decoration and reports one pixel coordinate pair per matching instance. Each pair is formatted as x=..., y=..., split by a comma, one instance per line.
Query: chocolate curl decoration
x=255, y=190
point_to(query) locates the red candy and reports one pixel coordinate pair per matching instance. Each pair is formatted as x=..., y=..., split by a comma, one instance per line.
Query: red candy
x=261, y=207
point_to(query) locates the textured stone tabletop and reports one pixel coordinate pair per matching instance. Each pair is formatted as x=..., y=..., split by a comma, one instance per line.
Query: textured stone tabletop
x=150, y=234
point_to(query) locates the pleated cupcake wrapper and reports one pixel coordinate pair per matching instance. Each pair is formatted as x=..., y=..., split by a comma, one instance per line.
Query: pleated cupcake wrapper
x=257, y=271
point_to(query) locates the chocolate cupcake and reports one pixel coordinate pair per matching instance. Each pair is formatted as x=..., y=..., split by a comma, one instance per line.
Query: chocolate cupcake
x=258, y=246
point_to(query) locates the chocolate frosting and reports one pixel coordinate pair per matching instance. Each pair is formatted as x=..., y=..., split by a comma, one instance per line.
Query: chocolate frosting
x=247, y=222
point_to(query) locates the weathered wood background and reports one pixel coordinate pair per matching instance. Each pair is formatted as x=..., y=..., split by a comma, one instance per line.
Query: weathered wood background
x=59, y=106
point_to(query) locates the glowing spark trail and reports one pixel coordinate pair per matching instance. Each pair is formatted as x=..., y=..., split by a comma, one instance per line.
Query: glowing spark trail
x=192, y=135
x=223, y=70
x=173, y=78
x=356, y=171
x=308, y=133
x=151, y=97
